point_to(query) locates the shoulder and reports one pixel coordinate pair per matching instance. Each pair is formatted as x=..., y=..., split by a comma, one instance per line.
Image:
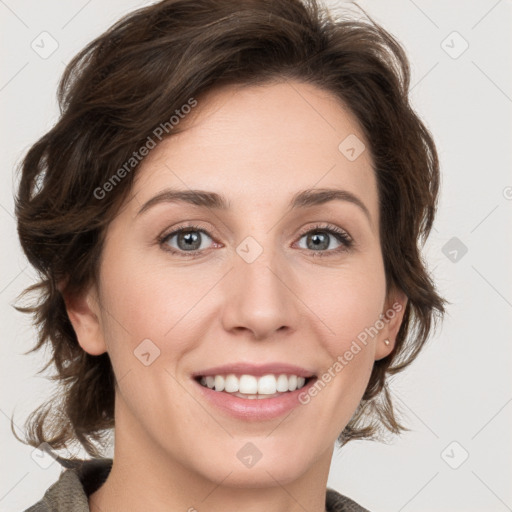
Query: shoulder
x=336, y=502
x=76, y=482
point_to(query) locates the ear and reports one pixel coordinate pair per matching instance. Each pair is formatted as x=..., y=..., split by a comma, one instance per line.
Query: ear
x=84, y=313
x=393, y=315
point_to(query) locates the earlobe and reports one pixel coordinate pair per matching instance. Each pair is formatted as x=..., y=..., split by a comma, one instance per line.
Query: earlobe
x=84, y=314
x=393, y=315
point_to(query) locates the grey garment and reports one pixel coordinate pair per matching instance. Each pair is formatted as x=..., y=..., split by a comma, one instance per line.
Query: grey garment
x=81, y=478
x=78, y=480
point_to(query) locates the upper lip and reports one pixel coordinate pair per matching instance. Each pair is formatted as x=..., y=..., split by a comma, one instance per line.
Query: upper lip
x=257, y=370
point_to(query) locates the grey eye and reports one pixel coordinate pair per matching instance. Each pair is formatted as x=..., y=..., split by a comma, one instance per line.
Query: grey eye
x=187, y=239
x=318, y=240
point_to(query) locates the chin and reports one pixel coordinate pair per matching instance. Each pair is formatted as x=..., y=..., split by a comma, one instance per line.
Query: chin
x=280, y=467
x=259, y=476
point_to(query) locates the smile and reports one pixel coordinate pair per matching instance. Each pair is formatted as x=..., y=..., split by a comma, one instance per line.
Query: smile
x=253, y=387
x=252, y=406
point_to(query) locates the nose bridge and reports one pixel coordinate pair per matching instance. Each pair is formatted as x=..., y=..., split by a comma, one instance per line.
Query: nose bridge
x=258, y=292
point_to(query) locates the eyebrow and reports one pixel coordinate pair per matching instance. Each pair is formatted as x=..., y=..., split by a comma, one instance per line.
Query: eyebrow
x=302, y=199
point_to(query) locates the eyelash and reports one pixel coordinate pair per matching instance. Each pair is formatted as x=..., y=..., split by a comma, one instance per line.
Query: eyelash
x=339, y=234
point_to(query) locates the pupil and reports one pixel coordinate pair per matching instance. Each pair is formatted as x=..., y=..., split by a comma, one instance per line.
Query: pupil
x=318, y=242
x=191, y=239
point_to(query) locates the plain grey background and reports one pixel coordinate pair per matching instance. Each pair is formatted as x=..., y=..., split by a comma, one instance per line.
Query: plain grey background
x=457, y=397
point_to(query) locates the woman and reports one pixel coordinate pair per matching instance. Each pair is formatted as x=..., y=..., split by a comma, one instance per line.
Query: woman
x=276, y=145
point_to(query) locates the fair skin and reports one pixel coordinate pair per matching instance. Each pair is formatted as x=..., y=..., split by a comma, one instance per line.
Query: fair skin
x=257, y=146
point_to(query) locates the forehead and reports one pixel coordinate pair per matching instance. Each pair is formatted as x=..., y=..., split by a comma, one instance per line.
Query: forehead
x=258, y=145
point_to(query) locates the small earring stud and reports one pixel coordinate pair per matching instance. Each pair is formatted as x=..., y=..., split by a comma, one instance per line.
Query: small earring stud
x=386, y=342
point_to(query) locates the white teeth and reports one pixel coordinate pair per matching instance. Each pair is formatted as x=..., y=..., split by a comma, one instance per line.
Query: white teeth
x=282, y=383
x=248, y=385
x=219, y=383
x=267, y=385
x=231, y=384
x=251, y=387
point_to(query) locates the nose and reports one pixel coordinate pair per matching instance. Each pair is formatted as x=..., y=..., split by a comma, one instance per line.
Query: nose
x=259, y=297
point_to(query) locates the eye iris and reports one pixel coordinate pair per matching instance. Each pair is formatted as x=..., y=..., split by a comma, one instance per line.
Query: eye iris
x=319, y=244
x=191, y=239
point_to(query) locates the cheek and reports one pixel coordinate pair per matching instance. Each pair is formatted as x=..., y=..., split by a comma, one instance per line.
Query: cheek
x=144, y=306
x=349, y=307
x=349, y=301
x=349, y=304
x=149, y=301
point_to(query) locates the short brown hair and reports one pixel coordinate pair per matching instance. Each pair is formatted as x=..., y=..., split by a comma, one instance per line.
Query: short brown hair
x=136, y=75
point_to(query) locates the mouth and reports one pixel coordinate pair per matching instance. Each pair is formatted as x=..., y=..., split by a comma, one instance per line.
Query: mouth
x=252, y=387
x=254, y=398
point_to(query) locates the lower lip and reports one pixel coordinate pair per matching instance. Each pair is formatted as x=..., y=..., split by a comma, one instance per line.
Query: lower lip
x=258, y=409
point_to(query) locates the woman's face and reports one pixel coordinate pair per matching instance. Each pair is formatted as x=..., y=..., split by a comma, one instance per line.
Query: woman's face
x=258, y=283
